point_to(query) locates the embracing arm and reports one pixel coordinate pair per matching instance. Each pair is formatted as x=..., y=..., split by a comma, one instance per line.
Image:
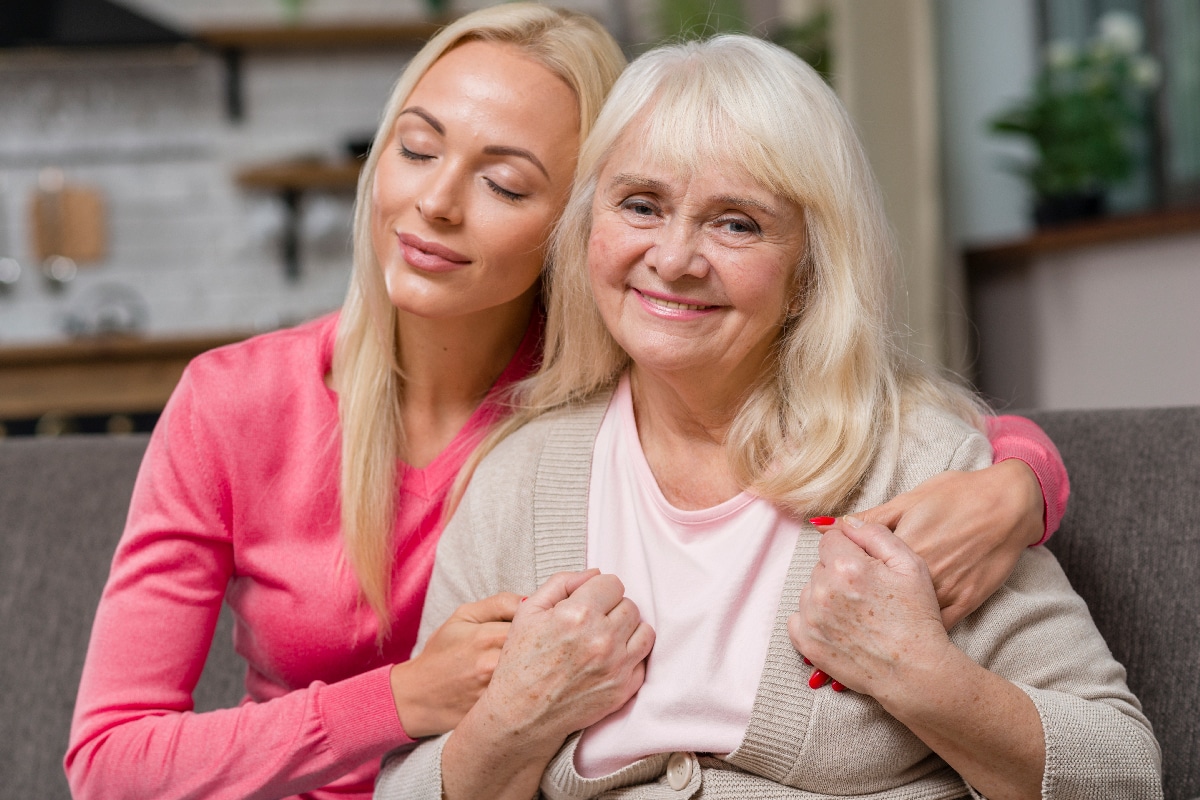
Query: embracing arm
x=134, y=733
x=1023, y=698
x=970, y=527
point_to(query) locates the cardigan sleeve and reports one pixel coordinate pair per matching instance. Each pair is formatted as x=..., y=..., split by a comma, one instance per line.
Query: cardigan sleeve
x=134, y=733
x=1037, y=632
x=486, y=548
x=1020, y=438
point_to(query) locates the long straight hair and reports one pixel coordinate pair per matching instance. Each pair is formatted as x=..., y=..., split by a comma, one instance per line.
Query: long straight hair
x=807, y=435
x=366, y=371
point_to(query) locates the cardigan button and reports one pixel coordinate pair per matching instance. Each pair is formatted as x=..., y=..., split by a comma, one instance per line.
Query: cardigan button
x=679, y=770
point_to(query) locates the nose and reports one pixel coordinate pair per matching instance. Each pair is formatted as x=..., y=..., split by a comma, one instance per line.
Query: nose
x=439, y=199
x=676, y=251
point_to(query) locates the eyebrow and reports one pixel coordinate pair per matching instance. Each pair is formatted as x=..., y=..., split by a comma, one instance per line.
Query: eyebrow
x=491, y=150
x=660, y=187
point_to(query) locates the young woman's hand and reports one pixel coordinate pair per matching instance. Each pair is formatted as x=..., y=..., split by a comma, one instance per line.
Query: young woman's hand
x=969, y=527
x=434, y=690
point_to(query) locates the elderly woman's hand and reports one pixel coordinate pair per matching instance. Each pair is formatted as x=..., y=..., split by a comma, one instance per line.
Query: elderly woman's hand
x=970, y=528
x=869, y=610
x=575, y=653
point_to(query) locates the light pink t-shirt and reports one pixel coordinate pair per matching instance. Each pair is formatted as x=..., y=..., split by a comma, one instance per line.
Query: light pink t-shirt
x=707, y=581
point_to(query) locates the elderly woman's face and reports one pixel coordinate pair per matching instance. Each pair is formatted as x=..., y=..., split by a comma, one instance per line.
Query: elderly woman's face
x=692, y=274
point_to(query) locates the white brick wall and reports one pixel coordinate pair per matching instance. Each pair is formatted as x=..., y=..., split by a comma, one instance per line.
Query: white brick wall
x=150, y=131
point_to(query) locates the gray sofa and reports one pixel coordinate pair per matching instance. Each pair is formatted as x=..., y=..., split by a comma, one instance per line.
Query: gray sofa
x=1130, y=542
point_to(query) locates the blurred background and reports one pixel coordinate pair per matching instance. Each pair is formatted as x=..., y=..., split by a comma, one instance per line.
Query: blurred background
x=178, y=174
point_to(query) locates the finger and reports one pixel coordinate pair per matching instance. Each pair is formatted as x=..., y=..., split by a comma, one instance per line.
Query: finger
x=625, y=616
x=876, y=541
x=888, y=514
x=559, y=587
x=497, y=608
x=835, y=546
x=601, y=592
x=492, y=635
x=641, y=642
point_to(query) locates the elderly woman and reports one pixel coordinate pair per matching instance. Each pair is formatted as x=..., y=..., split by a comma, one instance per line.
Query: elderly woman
x=729, y=370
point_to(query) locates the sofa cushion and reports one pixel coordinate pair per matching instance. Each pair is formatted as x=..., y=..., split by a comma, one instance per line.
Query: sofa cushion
x=63, y=504
x=1130, y=543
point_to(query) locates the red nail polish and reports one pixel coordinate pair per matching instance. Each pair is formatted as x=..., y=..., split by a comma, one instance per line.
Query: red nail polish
x=822, y=520
x=837, y=687
x=817, y=679
x=807, y=663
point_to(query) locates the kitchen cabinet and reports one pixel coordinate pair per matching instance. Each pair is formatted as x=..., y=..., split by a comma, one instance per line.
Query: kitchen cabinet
x=111, y=375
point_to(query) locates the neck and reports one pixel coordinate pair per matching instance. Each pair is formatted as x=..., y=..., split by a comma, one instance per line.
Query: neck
x=448, y=366
x=682, y=426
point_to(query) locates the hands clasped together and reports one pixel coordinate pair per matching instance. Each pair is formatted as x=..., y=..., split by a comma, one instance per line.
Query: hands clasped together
x=868, y=611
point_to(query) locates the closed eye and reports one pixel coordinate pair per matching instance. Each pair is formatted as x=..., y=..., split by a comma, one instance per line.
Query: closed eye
x=505, y=193
x=413, y=156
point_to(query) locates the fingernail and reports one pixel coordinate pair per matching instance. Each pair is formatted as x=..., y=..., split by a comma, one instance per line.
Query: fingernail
x=822, y=520
x=854, y=522
x=837, y=687
x=807, y=663
x=817, y=679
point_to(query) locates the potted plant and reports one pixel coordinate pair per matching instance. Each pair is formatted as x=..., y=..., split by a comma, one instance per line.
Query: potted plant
x=1082, y=119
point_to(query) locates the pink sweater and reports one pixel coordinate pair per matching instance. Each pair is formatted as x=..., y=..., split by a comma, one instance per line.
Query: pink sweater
x=237, y=500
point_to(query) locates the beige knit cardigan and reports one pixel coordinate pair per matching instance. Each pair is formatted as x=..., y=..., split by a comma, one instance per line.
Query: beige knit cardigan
x=524, y=518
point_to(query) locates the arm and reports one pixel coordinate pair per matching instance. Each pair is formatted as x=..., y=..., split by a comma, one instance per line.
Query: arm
x=870, y=615
x=134, y=733
x=970, y=527
x=1050, y=716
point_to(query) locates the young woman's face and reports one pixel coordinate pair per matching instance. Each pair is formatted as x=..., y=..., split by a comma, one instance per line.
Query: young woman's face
x=474, y=174
x=692, y=274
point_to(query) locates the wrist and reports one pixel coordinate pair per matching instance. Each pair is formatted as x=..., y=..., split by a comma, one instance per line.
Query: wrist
x=906, y=690
x=1031, y=497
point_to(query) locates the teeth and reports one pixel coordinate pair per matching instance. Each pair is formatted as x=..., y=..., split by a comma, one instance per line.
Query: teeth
x=671, y=304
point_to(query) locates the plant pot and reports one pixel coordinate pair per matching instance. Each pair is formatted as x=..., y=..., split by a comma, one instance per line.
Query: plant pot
x=1061, y=209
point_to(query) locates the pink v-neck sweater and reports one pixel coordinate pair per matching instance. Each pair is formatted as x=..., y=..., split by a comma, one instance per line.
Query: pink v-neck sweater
x=237, y=500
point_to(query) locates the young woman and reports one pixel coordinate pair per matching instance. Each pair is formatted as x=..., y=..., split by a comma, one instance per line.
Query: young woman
x=300, y=476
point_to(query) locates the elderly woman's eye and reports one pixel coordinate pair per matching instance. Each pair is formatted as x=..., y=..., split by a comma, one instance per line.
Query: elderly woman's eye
x=739, y=225
x=639, y=207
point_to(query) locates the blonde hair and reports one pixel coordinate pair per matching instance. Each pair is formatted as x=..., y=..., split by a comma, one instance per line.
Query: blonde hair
x=366, y=373
x=807, y=435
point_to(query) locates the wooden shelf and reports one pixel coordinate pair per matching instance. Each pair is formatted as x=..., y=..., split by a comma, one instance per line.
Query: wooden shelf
x=1106, y=230
x=320, y=37
x=301, y=176
x=113, y=375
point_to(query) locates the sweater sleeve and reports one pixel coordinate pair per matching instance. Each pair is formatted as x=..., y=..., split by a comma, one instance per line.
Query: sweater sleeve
x=134, y=733
x=1022, y=439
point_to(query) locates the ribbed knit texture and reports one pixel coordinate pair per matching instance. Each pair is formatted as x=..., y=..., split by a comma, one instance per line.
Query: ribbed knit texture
x=524, y=518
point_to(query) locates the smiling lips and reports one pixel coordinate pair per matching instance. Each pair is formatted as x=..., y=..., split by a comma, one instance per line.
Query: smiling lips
x=430, y=256
x=674, y=308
